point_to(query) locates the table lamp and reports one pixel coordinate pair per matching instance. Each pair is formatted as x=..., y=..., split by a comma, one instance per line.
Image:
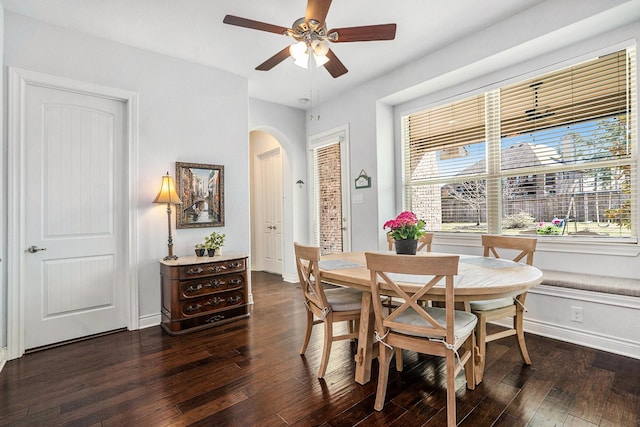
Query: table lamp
x=168, y=195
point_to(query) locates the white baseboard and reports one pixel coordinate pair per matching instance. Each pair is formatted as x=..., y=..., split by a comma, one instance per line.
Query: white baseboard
x=576, y=336
x=611, y=329
x=587, y=339
x=290, y=278
x=149, y=321
x=3, y=357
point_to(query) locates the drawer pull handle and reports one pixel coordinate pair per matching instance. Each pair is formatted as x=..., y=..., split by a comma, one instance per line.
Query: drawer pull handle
x=194, y=288
x=235, y=281
x=217, y=268
x=195, y=270
x=215, y=318
x=235, y=265
x=215, y=283
x=234, y=300
x=216, y=301
x=192, y=308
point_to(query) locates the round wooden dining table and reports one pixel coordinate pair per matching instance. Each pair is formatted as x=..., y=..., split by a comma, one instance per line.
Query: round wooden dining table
x=478, y=278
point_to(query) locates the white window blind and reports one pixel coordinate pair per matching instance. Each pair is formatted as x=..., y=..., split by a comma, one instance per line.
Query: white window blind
x=443, y=166
x=555, y=148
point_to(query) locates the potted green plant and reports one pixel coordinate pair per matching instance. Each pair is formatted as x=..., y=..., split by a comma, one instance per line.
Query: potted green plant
x=405, y=229
x=199, y=248
x=213, y=242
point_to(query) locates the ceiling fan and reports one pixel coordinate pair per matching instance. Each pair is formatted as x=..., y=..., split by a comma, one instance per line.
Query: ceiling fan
x=312, y=35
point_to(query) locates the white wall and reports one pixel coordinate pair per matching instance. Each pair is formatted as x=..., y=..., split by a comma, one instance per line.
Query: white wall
x=192, y=113
x=3, y=211
x=509, y=50
x=534, y=36
x=187, y=112
x=546, y=36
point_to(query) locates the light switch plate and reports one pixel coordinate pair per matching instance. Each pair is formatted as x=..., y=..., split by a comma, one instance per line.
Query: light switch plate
x=357, y=199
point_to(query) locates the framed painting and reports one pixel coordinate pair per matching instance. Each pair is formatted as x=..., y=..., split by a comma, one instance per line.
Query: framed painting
x=201, y=189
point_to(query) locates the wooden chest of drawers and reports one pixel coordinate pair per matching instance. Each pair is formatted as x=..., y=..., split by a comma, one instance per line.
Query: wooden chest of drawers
x=200, y=292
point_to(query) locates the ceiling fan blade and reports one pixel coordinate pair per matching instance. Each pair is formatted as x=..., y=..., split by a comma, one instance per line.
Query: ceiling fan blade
x=317, y=10
x=254, y=25
x=334, y=66
x=363, y=34
x=274, y=60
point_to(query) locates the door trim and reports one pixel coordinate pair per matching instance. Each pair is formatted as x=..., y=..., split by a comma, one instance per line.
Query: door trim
x=19, y=79
x=339, y=134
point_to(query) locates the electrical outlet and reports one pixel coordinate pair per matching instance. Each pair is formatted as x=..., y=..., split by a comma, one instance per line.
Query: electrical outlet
x=576, y=314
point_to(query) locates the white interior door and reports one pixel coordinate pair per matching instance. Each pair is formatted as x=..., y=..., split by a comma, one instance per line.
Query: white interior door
x=270, y=195
x=75, y=281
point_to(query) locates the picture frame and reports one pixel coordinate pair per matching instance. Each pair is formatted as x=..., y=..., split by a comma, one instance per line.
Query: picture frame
x=201, y=189
x=363, y=180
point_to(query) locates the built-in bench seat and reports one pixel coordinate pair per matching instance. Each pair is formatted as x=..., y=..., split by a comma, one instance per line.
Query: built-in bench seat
x=589, y=282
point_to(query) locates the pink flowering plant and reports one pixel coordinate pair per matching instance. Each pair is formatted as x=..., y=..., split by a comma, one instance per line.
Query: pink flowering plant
x=406, y=226
x=554, y=228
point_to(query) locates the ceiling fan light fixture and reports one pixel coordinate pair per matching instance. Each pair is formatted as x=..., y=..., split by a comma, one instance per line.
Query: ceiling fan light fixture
x=312, y=37
x=298, y=51
x=320, y=60
x=302, y=62
x=320, y=47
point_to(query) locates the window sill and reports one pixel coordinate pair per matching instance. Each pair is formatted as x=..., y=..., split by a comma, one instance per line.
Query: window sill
x=573, y=244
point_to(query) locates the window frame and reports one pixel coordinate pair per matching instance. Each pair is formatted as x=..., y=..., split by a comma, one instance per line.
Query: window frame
x=494, y=174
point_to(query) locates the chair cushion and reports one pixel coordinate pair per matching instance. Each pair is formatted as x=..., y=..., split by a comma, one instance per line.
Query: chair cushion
x=464, y=322
x=491, y=304
x=344, y=299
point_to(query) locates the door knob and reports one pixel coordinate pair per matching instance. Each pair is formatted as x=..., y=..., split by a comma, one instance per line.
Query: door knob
x=34, y=249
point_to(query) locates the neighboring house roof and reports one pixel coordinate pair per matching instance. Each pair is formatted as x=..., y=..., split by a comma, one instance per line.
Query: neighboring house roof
x=519, y=155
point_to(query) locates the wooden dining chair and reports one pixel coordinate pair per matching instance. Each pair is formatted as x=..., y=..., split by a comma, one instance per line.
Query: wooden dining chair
x=490, y=310
x=423, y=242
x=326, y=306
x=444, y=332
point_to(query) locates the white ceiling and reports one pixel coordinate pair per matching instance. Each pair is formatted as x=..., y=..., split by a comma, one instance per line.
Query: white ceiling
x=193, y=30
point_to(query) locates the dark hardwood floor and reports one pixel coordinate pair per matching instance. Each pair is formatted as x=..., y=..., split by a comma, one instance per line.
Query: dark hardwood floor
x=249, y=373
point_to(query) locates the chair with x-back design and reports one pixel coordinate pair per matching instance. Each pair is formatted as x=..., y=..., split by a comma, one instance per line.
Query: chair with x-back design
x=424, y=242
x=325, y=306
x=490, y=310
x=444, y=332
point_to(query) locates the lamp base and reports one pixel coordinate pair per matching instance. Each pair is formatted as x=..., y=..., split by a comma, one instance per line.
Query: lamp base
x=170, y=257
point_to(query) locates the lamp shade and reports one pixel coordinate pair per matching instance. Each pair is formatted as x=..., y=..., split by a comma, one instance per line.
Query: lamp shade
x=167, y=193
x=320, y=60
x=320, y=47
x=298, y=50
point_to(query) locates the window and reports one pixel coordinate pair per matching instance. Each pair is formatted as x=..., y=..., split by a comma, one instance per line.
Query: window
x=329, y=207
x=551, y=155
x=328, y=198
